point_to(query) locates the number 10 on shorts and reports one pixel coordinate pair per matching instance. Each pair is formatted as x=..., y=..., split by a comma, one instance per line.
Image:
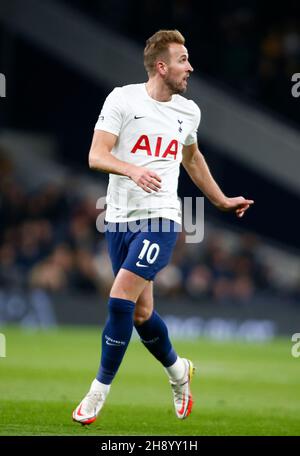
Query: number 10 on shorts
x=150, y=250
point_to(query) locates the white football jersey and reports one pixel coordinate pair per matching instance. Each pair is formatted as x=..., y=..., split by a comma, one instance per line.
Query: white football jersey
x=150, y=133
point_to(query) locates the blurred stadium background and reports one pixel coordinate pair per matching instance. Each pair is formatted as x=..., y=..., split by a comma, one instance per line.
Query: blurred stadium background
x=60, y=60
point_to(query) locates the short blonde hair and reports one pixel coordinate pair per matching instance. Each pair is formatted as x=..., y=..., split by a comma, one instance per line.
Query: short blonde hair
x=158, y=46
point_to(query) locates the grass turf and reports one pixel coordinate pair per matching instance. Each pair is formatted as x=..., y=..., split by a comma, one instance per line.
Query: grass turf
x=238, y=389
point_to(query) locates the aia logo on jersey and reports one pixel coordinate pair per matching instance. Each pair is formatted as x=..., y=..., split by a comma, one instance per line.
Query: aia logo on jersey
x=143, y=144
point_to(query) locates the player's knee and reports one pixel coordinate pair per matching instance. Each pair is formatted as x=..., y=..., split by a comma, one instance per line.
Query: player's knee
x=121, y=291
x=141, y=315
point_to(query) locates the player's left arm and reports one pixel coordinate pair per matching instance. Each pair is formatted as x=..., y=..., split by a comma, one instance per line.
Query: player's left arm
x=198, y=170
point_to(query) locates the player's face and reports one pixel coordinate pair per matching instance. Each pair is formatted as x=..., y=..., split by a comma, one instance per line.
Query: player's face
x=178, y=68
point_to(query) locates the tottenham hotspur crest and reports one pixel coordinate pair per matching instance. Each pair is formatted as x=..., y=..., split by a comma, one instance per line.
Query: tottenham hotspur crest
x=180, y=122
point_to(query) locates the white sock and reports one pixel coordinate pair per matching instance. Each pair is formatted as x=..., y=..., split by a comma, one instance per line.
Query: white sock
x=177, y=370
x=101, y=387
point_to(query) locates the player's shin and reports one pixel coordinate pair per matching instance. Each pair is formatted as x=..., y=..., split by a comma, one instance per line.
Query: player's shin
x=154, y=335
x=115, y=338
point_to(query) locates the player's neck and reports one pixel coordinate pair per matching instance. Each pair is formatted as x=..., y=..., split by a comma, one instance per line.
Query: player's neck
x=158, y=90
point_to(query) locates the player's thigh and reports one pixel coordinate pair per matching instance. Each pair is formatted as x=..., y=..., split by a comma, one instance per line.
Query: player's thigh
x=144, y=305
x=115, y=235
x=128, y=285
x=150, y=250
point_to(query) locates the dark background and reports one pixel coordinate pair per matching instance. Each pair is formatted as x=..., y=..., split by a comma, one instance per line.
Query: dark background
x=248, y=49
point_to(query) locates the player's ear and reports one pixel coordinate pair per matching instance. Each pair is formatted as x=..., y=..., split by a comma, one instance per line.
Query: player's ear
x=161, y=67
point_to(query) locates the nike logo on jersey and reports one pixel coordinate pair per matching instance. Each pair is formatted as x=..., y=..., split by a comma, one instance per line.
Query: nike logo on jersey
x=139, y=117
x=141, y=265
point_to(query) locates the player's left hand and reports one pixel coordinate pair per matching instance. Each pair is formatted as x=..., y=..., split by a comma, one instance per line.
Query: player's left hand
x=238, y=204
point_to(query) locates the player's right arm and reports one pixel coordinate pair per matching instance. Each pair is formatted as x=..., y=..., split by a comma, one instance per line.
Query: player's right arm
x=101, y=159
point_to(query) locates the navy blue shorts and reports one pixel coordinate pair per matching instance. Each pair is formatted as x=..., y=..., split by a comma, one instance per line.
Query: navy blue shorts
x=143, y=247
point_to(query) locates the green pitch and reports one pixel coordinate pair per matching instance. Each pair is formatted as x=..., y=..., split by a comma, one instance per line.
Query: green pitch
x=238, y=389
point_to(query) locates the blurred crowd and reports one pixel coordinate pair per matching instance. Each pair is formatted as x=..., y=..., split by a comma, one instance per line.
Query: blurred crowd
x=49, y=241
x=48, y=236
x=225, y=269
x=252, y=47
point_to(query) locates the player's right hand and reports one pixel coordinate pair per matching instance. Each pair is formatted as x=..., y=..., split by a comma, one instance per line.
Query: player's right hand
x=146, y=179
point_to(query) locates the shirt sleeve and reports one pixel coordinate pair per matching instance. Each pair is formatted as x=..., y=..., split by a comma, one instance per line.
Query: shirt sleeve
x=192, y=136
x=112, y=113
